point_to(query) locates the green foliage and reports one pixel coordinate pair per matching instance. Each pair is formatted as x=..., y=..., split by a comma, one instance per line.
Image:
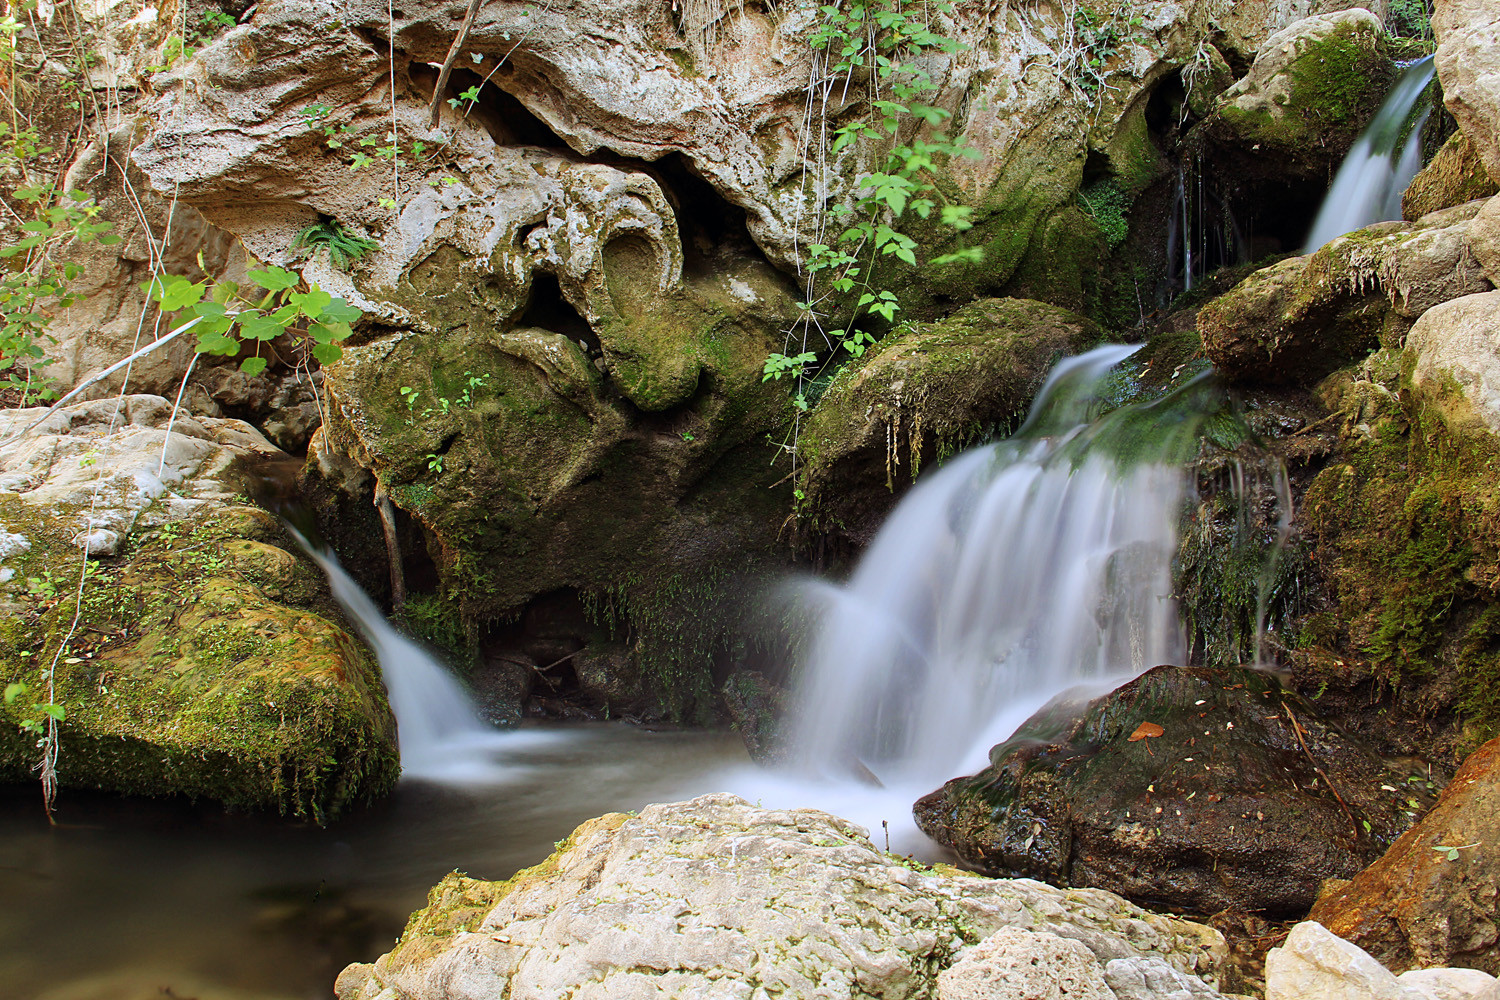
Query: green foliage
x=884, y=42
x=437, y=622
x=37, y=283
x=1109, y=206
x=1410, y=19
x=344, y=248
x=179, y=46
x=276, y=302
x=1095, y=39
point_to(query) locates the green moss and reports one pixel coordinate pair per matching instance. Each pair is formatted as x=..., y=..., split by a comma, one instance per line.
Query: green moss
x=1108, y=205
x=187, y=677
x=1407, y=532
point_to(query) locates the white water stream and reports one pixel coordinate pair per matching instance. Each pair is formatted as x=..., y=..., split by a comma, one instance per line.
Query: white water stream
x=1369, y=184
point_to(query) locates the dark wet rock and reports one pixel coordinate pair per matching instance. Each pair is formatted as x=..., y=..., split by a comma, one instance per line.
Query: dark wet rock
x=1231, y=807
x=1432, y=898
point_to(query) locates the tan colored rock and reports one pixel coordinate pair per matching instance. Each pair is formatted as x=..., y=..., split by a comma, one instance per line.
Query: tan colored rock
x=1013, y=964
x=1456, y=346
x=1484, y=239
x=1452, y=984
x=1417, y=906
x=1153, y=979
x=1455, y=175
x=716, y=898
x=1315, y=964
x=1468, y=65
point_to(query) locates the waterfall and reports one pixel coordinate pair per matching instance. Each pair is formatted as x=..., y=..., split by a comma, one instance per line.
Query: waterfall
x=438, y=727
x=1014, y=572
x=1369, y=184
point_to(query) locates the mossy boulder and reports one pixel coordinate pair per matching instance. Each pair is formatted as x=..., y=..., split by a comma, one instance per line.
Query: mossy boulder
x=1313, y=86
x=208, y=661
x=1225, y=802
x=1455, y=175
x=632, y=472
x=924, y=392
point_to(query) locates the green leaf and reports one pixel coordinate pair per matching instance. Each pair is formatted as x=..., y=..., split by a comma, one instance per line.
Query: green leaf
x=253, y=366
x=57, y=713
x=312, y=302
x=261, y=328
x=174, y=292
x=13, y=691
x=340, y=311
x=218, y=343
x=327, y=354
x=274, y=279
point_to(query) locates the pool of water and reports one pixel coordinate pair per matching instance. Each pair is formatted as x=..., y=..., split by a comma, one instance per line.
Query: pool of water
x=130, y=899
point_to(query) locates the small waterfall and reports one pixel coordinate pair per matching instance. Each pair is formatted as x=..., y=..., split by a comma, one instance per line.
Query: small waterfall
x=1016, y=571
x=440, y=733
x=1369, y=184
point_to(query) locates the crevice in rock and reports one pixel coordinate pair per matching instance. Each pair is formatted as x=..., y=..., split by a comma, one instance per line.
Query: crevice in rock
x=508, y=121
x=548, y=309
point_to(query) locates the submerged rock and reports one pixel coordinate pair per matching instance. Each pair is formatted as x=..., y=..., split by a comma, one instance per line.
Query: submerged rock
x=1202, y=789
x=716, y=898
x=1431, y=899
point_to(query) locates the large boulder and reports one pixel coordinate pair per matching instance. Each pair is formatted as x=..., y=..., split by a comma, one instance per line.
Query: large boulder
x=206, y=658
x=1312, y=88
x=1305, y=317
x=1455, y=350
x=1243, y=799
x=924, y=392
x=1468, y=64
x=1431, y=899
x=717, y=898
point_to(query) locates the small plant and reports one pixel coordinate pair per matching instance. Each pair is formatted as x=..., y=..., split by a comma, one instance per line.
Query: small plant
x=434, y=462
x=469, y=97
x=344, y=248
x=1109, y=205
x=410, y=395
x=45, y=710
x=466, y=398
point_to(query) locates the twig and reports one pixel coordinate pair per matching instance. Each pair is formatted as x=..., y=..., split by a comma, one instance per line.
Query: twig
x=1297, y=731
x=172, y=417
x=453, y=51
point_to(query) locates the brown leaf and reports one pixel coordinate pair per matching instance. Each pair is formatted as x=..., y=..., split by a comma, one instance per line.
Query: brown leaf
x=1146, y=730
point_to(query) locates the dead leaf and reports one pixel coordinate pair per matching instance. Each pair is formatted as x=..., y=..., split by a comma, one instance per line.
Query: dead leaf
x=1146, y=730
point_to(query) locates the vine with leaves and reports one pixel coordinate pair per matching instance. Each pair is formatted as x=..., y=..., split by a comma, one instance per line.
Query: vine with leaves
x=884, y=42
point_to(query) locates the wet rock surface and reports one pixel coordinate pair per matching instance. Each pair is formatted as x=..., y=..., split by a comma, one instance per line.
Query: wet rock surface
x=1431, y=899
x=1243, y=799
x=714, y=897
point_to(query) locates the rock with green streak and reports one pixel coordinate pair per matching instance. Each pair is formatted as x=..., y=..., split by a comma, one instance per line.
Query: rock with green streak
x=924, y=392
x=633, y=472
x=208, y=662
x=1313, y=86
x=714, y=897
x=1223, y=803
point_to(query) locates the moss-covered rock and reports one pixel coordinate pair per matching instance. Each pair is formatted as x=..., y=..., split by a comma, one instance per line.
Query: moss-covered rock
x=633, y=472
x=207, y=661
x=922, y=393
x=1455, y=175
x=1314, y=85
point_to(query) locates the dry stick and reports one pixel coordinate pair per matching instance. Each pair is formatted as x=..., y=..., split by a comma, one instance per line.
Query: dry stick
x=453, y=50
x=392, y=548
x=172, y=417
x=106, y=373
x=1297, y=731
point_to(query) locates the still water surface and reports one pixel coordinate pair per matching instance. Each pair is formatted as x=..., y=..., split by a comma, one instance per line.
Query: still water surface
x=130, y=899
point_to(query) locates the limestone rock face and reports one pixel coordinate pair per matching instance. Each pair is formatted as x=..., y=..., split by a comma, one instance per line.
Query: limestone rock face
x=207, y=661
x=1484, y=239
x=1315, y=963
x=1312, y=88
x=1468, y=64
x=716, y=898
x=1456, y=346
x=1416, y=906
x=1223, y=810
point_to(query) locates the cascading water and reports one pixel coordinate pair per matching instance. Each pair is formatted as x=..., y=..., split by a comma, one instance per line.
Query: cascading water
x=438, y=728
x=1380, y=164
x=1016, y=571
